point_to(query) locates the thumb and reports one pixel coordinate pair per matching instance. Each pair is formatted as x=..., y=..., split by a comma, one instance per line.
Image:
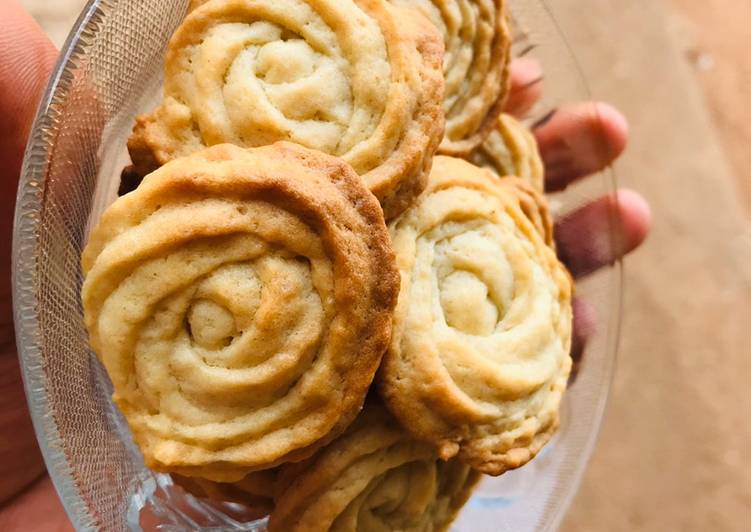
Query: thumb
x=26, y=59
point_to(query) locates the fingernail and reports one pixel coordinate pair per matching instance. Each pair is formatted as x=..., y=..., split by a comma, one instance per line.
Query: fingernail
x=526, y=50
x=545, y=119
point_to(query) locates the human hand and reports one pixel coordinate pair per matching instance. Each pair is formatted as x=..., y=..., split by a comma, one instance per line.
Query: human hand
x=577, y=141
x=27, y=499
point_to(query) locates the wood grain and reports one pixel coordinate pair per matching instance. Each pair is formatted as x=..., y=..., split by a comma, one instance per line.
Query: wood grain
x=671, y=456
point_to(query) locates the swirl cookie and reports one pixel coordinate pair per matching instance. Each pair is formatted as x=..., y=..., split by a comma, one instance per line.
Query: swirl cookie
x=241, y=301
x=511, y=150
x=479, y=357
x=477, y=40
x=357, y=79
x=373, y=477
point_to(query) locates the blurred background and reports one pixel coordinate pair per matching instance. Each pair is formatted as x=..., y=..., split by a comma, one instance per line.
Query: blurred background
x=674, y=451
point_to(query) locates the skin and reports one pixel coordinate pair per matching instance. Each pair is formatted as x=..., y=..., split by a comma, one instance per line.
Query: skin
x=27, y=499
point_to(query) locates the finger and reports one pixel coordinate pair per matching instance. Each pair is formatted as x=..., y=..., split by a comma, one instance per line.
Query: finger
x=598, y=234
x=526, y=86
x=26, y=59
x=25, y=514
x=585, y=320
x=579, y=140
x=20, y=461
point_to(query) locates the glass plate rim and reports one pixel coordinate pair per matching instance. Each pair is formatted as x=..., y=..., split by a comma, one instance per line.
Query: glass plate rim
x=30, y=199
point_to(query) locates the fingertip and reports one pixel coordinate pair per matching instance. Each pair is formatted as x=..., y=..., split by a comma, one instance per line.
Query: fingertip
x=602, y=231
x=525, y=70
x=525, y=79
x=585, y=317
x=579, y=140
x=26, y=59
x=635, y=218
x=613, y=126
x=584, y=326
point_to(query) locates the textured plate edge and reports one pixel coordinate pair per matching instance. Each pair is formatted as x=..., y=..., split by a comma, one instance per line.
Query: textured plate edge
x=29, y=200
x=615, y=282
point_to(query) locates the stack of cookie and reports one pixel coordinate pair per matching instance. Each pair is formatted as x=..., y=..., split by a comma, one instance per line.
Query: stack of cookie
x=334, y=296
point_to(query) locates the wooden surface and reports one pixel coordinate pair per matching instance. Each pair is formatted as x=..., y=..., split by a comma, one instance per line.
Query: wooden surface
x=674, y=451
x=715, y=37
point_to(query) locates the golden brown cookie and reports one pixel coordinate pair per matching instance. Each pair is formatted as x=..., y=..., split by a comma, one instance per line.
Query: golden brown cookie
x=373, y=477
x=193, y=4
x=511, y=150
x=357, y=79
x=241, y=301
x=478, y=46
x=479, y=357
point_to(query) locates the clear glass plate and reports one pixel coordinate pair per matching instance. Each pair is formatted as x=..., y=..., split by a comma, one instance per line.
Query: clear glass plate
x=110, y=69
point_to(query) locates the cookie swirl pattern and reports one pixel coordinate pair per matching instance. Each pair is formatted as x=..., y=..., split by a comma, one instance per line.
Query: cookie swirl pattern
x=357, y=79
x=511, y=150
x=479, y=358
x=477, y=40
x=374, y=477
x=241, y=301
